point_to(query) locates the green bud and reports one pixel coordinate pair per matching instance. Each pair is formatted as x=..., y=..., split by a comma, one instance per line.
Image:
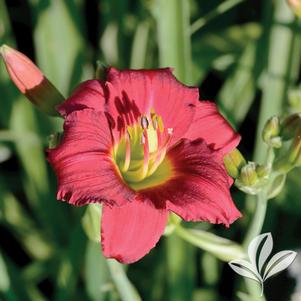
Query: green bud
x=290, y=126
x=276, y=142
x=262, y=171
x=294, y=100
x=271, y=129
x=295, y=150
x=253, y=177
x=248, y=175
x=291, y=158
x=234, y=161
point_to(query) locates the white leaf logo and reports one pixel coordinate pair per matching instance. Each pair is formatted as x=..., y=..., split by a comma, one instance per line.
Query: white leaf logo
x=279, y=262
x=245, y=269
x=258, y=269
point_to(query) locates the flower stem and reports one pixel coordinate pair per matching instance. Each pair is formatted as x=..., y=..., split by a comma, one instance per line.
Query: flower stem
x=258, y=219
x=222, y=248
x=261, y=291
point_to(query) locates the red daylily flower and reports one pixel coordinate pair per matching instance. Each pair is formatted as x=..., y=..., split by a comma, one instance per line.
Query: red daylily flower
x=142, y=144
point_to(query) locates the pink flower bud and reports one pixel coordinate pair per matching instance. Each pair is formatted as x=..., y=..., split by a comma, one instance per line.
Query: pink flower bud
x=29, y=79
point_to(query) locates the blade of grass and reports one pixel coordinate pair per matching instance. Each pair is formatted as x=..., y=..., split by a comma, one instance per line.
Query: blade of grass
x=14, y=217
x=58, y=41
x=98, y=281
x=4, y=277
x=68, y=274
x=220, y=9
x=113, y=40
x=139, y=47
x=35, y=178
x=278, y=77
x=238, y=92
x=21, y=289
x=126, y=290
x=223, y=50
x=173, y=25
x=180, y=268
x=174, y=44
x=8, y=91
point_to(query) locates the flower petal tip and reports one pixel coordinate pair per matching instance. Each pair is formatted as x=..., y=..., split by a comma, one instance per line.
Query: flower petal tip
x=235, y=216
x=129, y=232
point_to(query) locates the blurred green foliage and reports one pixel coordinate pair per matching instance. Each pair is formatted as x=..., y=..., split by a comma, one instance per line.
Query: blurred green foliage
x=240, y=52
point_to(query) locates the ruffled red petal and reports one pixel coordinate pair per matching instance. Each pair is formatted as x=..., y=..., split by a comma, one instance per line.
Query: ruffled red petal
x=89, y=94
x=211, y=126
x=133, y=93
x=199, y=189
x=129, y=232
x=83, y=163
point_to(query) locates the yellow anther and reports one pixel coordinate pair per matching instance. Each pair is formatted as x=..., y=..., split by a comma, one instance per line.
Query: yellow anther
x=160, y=124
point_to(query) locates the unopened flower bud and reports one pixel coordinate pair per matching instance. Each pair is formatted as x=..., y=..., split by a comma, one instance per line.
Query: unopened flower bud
x=248, y=175
x=294, y=100
x=234, y=161
x=30, y=81
x=262, y=171
x=276, y=142
x=271, y=129
x=296, y=6
x=292, y=157
x=290, y=126
x=295, y=149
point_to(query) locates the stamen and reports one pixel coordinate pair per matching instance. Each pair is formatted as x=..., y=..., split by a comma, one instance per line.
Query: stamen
x=160, y=124
x=146, y=154
x=159, y=129
x=158, y=160
x=160, y=154
x=127, y=159
x=155, y=121
x=115, y=144
x=142, y=141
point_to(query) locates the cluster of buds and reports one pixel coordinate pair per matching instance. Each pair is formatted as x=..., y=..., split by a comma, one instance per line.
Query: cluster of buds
x=284, y=139
x=271, y=132
x=252, y=178
x=249, y=176
x=290, y=156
